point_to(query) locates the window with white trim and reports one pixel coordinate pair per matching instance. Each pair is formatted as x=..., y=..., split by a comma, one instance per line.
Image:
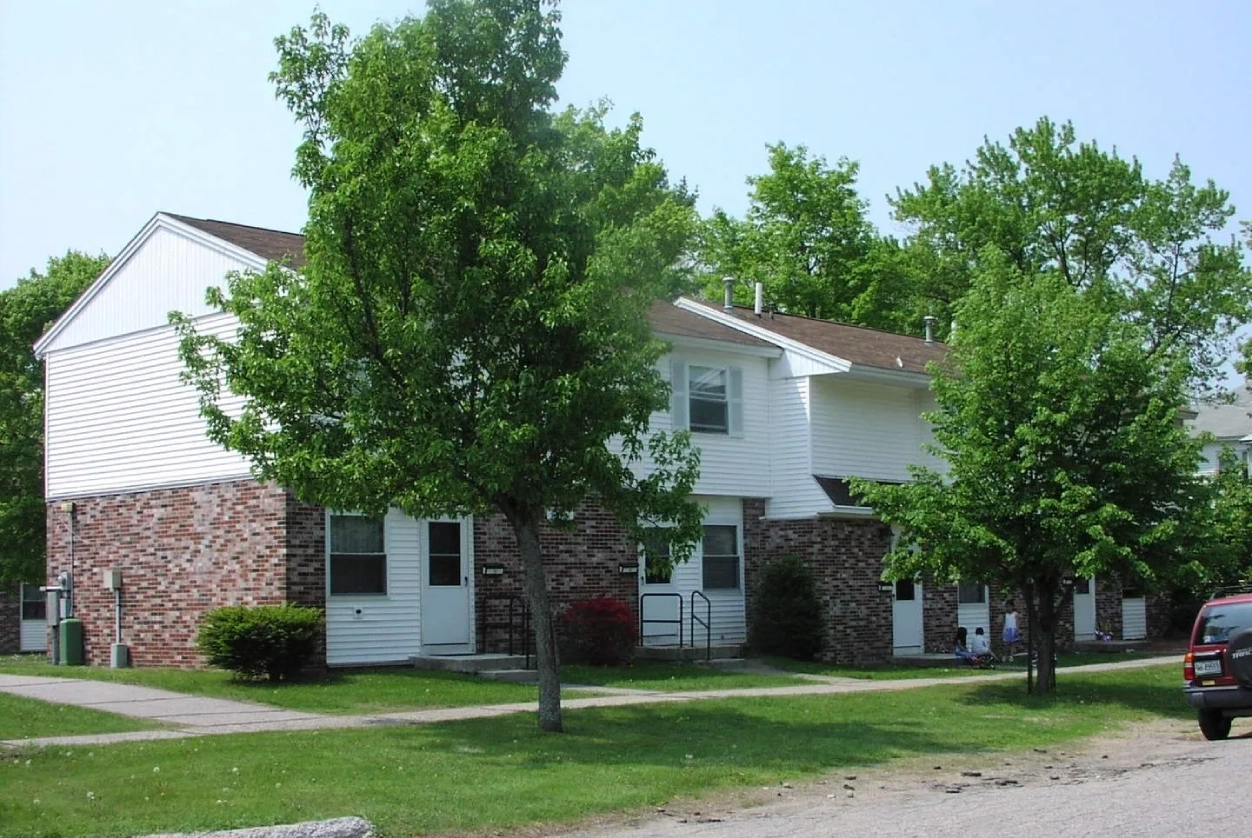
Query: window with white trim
x=444, y=569
x=720, y=559
x=358, y=556
x=34, y=603
x=971, y=593
x=707, y=399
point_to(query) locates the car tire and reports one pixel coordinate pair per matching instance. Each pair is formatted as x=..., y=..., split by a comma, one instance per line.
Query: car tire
x=1214, y=725
x=1239, y=656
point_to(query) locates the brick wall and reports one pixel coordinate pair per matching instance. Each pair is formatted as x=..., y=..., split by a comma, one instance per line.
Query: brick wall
x=940, y=617
x=10, y=620
x=846, y=558
x=183, y=552
x=580, y=564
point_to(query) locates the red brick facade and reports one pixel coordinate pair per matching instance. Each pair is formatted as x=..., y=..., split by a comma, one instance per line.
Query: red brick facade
x=10, y=621
x=846, y=557
x=183, y=552
x=581, y=564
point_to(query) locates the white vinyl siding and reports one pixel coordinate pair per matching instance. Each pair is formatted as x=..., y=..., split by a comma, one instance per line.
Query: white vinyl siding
x=372, y=628
x=794, y=494
x=33, y=635
x=737, y=463
x=867, y=430
x=973, y=608
x=119, y=419
x=167, y=272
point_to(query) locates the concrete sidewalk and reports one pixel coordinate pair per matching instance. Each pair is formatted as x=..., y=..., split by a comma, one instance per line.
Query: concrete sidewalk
x=187, y=715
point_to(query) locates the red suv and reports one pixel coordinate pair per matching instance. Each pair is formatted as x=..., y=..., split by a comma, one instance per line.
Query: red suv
x=1217, y=670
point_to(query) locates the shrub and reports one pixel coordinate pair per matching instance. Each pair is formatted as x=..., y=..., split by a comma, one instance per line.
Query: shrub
x=786, y=613
x=600, y=631
x=275, y=641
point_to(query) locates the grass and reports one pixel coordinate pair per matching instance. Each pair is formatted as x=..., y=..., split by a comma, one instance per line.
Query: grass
x=663, y=676
x=492, y=774
x=351, y=692
x=892, y=672
x=28, y=718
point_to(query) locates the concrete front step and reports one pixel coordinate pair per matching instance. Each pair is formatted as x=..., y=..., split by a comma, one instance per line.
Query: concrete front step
x=688, y=653
x=471, y=663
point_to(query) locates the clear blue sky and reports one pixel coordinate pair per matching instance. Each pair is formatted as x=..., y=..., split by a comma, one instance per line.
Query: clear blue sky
x=111, y=111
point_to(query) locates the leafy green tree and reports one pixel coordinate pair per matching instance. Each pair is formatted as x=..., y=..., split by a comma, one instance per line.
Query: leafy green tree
x=1065, y=456
x=806, y=238
x=1151, y=250
x=1224, y=556
x=26, y=311
x=470, y=330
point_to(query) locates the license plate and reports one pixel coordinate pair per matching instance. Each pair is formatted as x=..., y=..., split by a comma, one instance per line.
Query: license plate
x=1208, y=668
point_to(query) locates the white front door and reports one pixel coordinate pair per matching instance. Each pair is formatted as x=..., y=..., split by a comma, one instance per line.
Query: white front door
x=446, y=587
x=660, y=602
x=906, y=618
x=1084, y=609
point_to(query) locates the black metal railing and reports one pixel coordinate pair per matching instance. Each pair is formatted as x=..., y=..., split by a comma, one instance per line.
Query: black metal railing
x=645, y=621
x=516, y=626
x=707, y=622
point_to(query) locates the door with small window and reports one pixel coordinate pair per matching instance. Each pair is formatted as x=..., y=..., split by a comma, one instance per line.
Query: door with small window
x=446, y=587
x=972, y=609
x=906, y=617
x=1084, y=609
x=660, y=600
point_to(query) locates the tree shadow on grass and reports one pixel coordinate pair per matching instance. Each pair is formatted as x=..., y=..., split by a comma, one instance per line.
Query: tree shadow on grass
x=1146, y=691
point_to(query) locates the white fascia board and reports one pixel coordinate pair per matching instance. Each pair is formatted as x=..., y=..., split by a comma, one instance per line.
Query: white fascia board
x=898, y=378
x=823, y=359
x=687, y=342
x=157, y=222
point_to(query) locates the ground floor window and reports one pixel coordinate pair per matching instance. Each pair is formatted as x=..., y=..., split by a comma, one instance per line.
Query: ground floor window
x=657, y=567
x=358, y=558
x=971, y=593
x=721, y=556
x=34, y=603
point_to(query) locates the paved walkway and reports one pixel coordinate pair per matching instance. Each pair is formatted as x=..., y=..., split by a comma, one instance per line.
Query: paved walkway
x=186, y=715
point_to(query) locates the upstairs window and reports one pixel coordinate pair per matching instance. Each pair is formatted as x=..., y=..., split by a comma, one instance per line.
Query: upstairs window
x=358, y=557
x=707, y=399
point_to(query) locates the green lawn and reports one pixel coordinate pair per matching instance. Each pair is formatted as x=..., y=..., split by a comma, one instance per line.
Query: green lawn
x=672, y=677
x=354, y=692
x=493, y=774
x=946, y=669
x=28, y=718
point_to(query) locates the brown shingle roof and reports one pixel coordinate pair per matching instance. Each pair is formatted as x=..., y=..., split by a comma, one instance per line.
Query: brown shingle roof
x=278, y=246
x=669, y=319
x=272, y=245
x=856, y=344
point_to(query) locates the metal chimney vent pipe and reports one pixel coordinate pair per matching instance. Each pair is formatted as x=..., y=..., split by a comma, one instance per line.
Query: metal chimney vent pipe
x=760, y=298
x=729, y=304
x=929, y=320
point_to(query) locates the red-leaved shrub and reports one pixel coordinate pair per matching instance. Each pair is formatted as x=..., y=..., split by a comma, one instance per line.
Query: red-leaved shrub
x=600, y=631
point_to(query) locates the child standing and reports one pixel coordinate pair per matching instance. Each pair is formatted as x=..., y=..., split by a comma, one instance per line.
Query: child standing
x=1011, y=635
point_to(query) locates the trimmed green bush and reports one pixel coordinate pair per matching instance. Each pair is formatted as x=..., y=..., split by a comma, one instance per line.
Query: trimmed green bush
x=600, y=631
x=274, y=641
x=786, y=618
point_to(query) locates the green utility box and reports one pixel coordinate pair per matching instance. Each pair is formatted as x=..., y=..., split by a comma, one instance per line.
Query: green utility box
x=71, y=638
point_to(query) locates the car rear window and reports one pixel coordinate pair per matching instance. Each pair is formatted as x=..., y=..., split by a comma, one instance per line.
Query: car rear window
x=1218, y=622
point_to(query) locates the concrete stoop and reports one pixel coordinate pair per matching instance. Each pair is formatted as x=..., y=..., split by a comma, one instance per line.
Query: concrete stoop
x=474, y=664
x=690, y=654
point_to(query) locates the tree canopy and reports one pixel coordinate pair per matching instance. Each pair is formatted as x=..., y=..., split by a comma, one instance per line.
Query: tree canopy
x=26, y=311
x=470, y=330
x=807, y=239
x=1152, y=250
x=1065, y=454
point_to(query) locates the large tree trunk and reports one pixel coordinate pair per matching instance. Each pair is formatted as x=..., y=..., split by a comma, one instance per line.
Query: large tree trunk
x=536, y=585
x=1046, y=645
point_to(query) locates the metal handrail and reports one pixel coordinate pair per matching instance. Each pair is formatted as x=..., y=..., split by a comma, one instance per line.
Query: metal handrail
x=707, y=622
x=659, y=620
x=518, y=602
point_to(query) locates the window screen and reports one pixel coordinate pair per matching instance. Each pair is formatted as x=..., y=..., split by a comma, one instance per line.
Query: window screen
x=721, y=556
x=358, y=558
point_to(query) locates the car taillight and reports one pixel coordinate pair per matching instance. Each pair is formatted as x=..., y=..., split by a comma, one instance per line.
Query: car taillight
x=1188, y=667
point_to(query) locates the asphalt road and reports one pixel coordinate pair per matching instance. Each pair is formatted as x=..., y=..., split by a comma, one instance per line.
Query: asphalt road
x=1162, y=780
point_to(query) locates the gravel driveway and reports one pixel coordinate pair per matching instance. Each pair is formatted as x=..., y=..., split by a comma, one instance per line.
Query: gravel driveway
x=1160, y=779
